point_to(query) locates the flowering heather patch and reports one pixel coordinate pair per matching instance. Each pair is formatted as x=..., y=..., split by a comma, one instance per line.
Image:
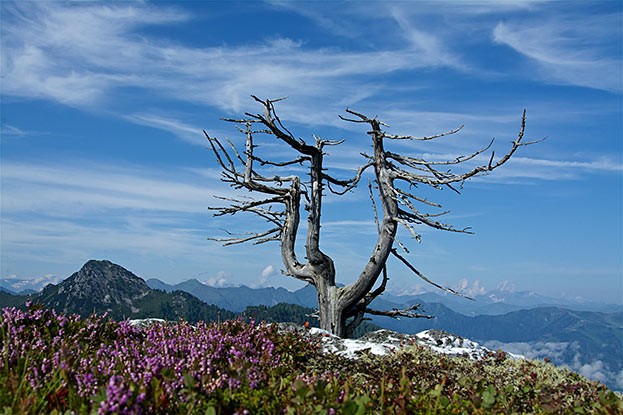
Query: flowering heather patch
x=119, y=368
x=61, y=364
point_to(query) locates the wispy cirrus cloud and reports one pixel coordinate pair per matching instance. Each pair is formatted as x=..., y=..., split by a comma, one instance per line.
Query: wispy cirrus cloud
x=71, y=54
x=429, y=46
x=83, y=55
x=69, y=190
x=569, y=51
x=138, y=215
x=600, y=165
x=180, y=129
x=12, y=131
x=79, y=55
x=536, y=168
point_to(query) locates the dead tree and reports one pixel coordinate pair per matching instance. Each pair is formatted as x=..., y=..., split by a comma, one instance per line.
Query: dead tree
x=340, y=309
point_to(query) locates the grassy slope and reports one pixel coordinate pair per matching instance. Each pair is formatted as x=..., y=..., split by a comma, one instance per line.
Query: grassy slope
x=305, y=381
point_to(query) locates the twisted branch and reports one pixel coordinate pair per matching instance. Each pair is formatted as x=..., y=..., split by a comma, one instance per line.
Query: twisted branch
x=395, y=175
x=396, y=313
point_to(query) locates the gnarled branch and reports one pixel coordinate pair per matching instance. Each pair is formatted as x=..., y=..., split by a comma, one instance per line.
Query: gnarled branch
x=426, y=138
x=422, y=276
x=396, y=313
x=395, y=177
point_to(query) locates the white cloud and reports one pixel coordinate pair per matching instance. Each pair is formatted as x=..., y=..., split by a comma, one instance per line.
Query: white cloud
x=58, y=240
x=220, y=280
x=72, y=212
x=532, y=350
x=602, y=164
x=72, y=189
x=33, y=283
x=80, y=54
x=191, y=134
x=56, y=217
x=70, y=53
x=414, y=289
x=594, y=370
x=521, y=169
x=83, y=54
x=430, y=48
x=267, y=272
x=569, y=51
x=564, y=354
x=471, y=289
x=506, y=286
x=9, y=130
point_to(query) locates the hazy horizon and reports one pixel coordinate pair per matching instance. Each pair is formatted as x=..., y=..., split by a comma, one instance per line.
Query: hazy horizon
x=473, y=288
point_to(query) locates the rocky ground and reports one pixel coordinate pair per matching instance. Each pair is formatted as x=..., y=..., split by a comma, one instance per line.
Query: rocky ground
x=381, y=342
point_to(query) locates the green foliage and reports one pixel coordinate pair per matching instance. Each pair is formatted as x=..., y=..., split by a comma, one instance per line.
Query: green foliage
x=281, y=313
x=292, y=375
x=12, y=300
x=155, y=304
x=179, y=305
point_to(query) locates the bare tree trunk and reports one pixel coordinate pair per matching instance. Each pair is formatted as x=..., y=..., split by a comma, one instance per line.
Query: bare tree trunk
x=332, y=318
x=395, y=175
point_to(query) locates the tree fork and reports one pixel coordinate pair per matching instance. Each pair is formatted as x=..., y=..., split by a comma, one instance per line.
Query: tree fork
x=281, y=206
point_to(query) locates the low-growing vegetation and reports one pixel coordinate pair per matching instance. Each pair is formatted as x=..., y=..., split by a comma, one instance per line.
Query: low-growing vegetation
x=64, y=364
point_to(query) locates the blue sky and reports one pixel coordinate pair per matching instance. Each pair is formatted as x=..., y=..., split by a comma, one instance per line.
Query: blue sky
x=103, y=156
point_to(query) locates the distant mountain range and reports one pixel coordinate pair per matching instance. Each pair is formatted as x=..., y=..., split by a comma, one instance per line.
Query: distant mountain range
x=238, y=298
x=501, y=302
x=493, y=303
x=25, y=286
x=590, y=342
x=104, y=287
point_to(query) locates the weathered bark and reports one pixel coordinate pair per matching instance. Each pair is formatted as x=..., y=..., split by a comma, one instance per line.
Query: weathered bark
x=331, y=316
x=340, y=309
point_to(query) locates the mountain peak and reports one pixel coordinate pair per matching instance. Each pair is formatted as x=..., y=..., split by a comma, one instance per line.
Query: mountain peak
x=99, y=284
x=96, y=262
x=101, y=264
x=103, y=274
